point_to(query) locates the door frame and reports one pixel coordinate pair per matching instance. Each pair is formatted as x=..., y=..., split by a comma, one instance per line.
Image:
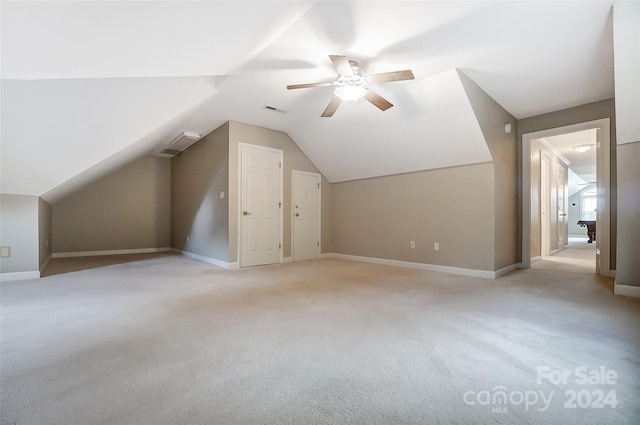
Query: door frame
x=603, y=166
x=306, y=173
x=281, y=153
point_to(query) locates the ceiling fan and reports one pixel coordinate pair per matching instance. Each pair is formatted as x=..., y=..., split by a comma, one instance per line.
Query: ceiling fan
x=352, y=84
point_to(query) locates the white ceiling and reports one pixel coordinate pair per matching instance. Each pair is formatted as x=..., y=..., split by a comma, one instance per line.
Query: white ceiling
x=87, y=86
x=583, y=164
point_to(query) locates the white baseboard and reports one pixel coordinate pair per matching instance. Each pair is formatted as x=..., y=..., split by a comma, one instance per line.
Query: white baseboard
x=109, y=252
x=422, y=266
x=46, y=263
x=208, y=260
x=12, y=276
x=627, y=290
x=287, y=260
x=506, y=270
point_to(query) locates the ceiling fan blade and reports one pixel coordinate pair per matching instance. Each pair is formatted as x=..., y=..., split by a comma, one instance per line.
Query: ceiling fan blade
x=332, y=106
x=305, y=86
x=342, y=65
x=387, y=77
x=379, y=101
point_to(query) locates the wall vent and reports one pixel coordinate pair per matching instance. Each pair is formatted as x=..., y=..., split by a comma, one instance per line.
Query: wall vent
x=178, y=144
x=274, y=109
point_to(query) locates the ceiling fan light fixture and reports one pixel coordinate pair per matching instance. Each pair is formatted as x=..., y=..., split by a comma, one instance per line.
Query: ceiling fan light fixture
x=583, y=148
x=350, y=93
x=352, y=83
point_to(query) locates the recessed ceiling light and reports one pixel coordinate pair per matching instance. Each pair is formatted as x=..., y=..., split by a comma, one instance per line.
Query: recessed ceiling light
x=583, y=148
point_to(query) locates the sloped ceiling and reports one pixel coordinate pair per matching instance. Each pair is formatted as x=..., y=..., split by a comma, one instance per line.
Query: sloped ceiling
x=88, y=86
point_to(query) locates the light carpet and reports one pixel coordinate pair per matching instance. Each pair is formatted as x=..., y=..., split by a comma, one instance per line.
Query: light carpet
x=174, y=341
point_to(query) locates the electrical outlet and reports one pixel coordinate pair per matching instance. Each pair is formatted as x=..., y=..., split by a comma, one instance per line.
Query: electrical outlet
x=413, y=244
x=222, y=195
x=436, y=246
x=5, y=251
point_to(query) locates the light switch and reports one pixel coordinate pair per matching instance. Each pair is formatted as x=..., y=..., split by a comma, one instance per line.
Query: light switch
x=222, y=195
x=5, y=251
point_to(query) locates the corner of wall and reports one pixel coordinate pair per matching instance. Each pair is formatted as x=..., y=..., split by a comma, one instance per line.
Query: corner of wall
x=200, y=197
x=499, y=129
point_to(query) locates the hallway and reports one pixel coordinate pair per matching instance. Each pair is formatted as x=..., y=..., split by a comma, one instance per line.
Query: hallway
x=580, y=257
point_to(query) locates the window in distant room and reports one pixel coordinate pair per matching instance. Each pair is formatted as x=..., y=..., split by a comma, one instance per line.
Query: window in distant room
x=589, y=204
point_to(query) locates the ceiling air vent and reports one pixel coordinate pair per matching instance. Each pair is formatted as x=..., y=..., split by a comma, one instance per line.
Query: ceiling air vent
x=177, y=145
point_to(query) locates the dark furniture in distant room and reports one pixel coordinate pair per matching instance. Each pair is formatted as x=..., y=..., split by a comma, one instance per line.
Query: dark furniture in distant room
x=591, y=228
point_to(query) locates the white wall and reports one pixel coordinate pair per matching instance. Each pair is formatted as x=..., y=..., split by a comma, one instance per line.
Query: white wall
x=19, y=230
x=575, y=205
x=626, y=39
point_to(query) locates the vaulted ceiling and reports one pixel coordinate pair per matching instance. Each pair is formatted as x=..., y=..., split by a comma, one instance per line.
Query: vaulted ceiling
x=88, y=86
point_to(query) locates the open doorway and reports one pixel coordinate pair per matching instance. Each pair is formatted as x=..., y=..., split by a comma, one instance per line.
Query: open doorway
x=568, y=231
x=566, y=171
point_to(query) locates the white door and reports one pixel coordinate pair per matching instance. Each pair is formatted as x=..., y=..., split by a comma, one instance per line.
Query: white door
x=260, y=205
x=306, y=215
x=545, y=198
x=563, y=206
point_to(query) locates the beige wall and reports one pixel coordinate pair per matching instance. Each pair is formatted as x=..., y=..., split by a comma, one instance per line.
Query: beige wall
x=198, y=175
x=294, y=159
x=45, y=223
x=379, y=217
x=19, y=230
x=579, y=114
x=127, y=209
x=626, y=27
x=628, y=271
x=503, y=147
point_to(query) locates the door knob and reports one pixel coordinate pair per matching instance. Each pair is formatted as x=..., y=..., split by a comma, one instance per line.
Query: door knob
x=246, y=213
x=297, y=214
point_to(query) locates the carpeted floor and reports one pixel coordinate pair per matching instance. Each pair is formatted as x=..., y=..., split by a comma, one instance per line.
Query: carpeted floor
x=170, y=340
x=579, y=258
